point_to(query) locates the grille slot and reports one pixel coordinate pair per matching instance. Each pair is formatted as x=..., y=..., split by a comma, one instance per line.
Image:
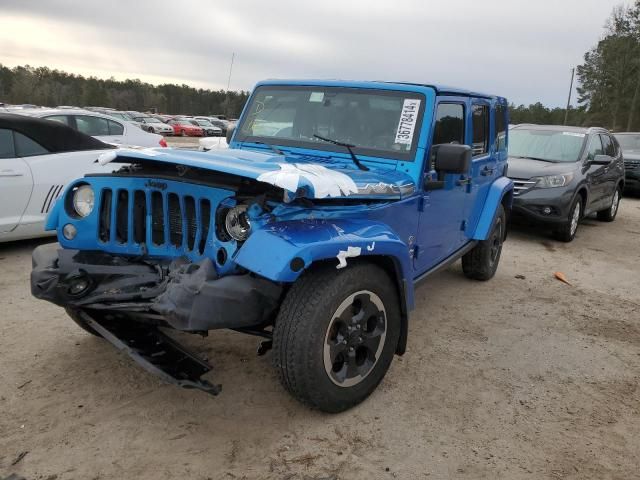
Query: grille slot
x=205, y=221
x=191, y=221
x=157, y=218
x=122, y=217
x=104, y=226
x=175, y=220
x=139, y=217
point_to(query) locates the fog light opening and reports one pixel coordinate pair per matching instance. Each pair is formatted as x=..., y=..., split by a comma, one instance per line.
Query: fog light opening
x=547, y=210
x=69, y=231
x=78, y=285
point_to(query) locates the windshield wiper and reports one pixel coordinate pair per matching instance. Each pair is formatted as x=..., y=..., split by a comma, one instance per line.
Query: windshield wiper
x=257, y=142
x=535, y=158
x=349, y=147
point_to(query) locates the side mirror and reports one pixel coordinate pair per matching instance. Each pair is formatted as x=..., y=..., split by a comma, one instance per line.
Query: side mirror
x=452, y=158
x=601, y=160
x=230, y=131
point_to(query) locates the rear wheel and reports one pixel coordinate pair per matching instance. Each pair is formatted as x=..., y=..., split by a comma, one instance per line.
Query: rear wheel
x=567, y=231
x=609, y=214
x=336, y=335
x=481, y=263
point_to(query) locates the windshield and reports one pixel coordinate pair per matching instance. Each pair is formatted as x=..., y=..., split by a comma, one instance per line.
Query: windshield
x=376, y=122
x=204, y=123
x=629, y=142
x=151, y=120
x=548, y=145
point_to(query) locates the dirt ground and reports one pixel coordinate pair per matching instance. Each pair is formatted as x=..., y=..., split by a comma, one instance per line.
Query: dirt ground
x=519, y=377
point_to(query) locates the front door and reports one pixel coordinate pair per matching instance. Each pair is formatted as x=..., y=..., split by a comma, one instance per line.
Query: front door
x=441, y=224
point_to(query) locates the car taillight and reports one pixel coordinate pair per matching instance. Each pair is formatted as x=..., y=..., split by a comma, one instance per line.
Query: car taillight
x=163, y=142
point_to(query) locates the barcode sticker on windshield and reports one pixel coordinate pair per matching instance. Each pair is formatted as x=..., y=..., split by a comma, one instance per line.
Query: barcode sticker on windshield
x=407, y=122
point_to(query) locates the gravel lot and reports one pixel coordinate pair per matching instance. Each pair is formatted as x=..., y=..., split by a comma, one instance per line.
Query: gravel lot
x=513, y=378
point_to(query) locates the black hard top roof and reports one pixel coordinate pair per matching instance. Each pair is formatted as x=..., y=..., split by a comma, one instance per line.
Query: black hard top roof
x=54, y=136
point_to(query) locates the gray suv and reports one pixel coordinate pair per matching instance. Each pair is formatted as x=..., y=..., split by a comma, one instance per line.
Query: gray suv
x=562, y=174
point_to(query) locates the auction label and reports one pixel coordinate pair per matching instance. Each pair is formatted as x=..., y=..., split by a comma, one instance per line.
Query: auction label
x=408, y=121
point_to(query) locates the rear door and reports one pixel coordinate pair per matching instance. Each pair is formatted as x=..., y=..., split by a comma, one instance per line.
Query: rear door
x=480, y=136
x=596, y=174
x=16, y=183
x=614, y=170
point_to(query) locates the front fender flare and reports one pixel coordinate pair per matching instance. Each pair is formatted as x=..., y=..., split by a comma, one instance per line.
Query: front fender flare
x=501, y=189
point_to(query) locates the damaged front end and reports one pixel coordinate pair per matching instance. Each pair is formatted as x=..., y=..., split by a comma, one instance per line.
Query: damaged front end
x=184, y=295
x=159, y=243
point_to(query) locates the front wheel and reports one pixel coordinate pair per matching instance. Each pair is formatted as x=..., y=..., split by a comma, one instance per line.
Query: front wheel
x=567, y=231
x=482, y=261
x=609, y=214
x=336, y=335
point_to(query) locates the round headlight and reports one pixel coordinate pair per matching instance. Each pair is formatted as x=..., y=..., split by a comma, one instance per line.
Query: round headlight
x=83, y=200
x=237, y=223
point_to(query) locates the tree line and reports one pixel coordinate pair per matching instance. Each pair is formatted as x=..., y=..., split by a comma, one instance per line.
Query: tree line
x=608, y=87
x=47, y=87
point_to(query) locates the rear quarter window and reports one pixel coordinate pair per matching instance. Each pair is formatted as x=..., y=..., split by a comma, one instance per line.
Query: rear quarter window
x=25, y=147
x=7, y=149
x=115, y=128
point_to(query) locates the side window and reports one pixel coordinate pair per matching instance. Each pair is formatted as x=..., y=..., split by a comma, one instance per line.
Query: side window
x=115, y=128
x=449, y=126
x=595, y=147
x=59, y=118
x=501, y=127
x=607, y=145
x=25, y=147
x=480, y=119
x=92, y=125
x=6, y=144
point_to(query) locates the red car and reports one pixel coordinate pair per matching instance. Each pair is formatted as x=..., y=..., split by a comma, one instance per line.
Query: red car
x=185, y=128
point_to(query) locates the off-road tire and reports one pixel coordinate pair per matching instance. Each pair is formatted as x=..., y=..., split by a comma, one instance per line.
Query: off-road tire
x=301, y=327
x=75, y=316
x=566, y=232
x=609, y=214
x=482, y=261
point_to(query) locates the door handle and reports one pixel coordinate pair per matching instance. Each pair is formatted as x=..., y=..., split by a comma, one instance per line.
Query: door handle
x=464, y=181
x=486, y=171
x=10, y=173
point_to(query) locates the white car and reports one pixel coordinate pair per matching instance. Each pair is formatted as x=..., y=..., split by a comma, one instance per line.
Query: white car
x=38, y=159
x=103, y=127
x=212, y=143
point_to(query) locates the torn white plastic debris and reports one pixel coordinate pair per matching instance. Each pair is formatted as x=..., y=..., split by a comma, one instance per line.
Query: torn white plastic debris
x=348, y=253
x=325, y=182
x=111, y=155
x=371, y=247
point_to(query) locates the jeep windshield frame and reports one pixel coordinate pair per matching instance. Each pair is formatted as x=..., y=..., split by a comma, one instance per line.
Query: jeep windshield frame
x=384, y=124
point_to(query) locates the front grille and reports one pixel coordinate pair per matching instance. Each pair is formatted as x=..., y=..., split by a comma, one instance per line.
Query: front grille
x=631, y=164
x=175, y=221
x=521, y=185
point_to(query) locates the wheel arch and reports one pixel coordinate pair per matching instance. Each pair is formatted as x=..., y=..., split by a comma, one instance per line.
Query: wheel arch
x=295, y=250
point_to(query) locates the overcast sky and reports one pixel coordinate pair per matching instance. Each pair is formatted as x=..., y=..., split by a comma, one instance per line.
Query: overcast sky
x=521, y=49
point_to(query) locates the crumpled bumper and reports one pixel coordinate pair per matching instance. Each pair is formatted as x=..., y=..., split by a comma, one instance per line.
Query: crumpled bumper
x=188, y=296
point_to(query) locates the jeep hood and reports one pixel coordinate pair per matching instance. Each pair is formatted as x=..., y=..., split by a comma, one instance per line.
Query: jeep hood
x=306, y=176
x=525, y=168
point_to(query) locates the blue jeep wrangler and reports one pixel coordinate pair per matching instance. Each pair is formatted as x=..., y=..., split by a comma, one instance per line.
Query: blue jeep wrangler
x=334, y=199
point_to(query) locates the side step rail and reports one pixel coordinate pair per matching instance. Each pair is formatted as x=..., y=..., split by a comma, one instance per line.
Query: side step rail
x=157, y=353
